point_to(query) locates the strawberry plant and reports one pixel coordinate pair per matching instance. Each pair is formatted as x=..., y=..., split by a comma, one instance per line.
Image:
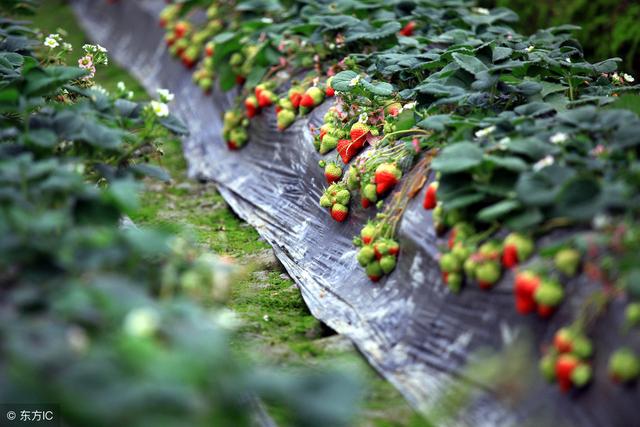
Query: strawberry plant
x=113, y=323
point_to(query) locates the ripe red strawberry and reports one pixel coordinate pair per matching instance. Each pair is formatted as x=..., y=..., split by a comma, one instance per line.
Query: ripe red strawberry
x=430, y=196
x=232, y=145
x=339, y=212
x=407, y=30
x=180, y=29
x=265, y=98
x=347, y=150
x=510, y=256
x=312, y=97
x=251, y=105
x=332, y=172
x=393, y=109
x=565, y=365
x=295, y=96
x=524, y=289
x=517, y=248
x=364, y=202
x=240, y=80
x=359, y=132
x=386, y=177
x=208, y=50
x=329, y=91
x=563, y=340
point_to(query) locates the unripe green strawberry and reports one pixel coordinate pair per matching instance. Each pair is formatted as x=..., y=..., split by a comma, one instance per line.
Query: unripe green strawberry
x=388, y=263
x=461, y=252
x=343, y=197
x=353, y=179
x=365, y=255
x=449, y=263
x=632, y=314
x=487, y=274
x=452, y=217
x=548, y=366
x=567, y=261
x=285, y=119
x=369, y=193
x=490, y=250
x=328, y=143
x=454, y=282
x=205, y=84
x=285, y=104
x=332, y=172
x=470, y=266
x=374, y=271
x=325, y=202
x=438, y=219
x=582, y=347
x=239, y=136
x=549, y=293
x=236, y=59
x=367, y=233
x=624, y=365
x=581, y=375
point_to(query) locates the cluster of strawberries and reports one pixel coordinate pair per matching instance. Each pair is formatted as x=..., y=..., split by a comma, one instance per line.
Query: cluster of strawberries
x=567, y=361
x=378, y=255
x=262, y=97
x=234, y=129
x=336, y=198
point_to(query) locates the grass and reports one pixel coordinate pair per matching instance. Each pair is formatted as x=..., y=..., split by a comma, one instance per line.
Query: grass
x=276, y=322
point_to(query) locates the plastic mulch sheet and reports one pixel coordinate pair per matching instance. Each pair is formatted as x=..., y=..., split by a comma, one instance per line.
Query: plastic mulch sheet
x=408, y=326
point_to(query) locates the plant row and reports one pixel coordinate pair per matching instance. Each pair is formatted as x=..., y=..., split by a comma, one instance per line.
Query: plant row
x=526, y=164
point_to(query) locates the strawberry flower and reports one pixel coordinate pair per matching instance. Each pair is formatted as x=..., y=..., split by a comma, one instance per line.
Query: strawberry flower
x=52, y=41
x=543, y=163
x=559, y=138
x=165, y=96
x=160, y=109
x=483, y=133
